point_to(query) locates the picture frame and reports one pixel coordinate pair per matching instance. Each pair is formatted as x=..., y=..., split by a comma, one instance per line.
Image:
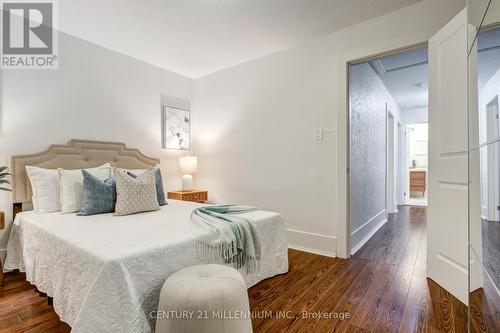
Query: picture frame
x=176, y=128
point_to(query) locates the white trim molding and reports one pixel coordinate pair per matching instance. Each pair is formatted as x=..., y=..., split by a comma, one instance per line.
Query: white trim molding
x=362, y=234
x=484, y=212
x=313, y=243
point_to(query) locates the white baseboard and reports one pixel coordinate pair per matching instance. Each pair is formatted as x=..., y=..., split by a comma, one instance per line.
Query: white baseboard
x=362, y=234
x=313, y=243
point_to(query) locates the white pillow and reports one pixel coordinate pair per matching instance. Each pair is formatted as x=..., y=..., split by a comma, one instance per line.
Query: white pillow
x=72, y=186
x=46, y=189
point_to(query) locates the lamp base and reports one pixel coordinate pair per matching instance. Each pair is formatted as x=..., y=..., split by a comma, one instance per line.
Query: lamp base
x=187, y=183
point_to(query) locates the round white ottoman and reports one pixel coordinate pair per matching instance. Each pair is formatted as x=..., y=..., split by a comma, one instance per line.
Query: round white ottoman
x=204, y=299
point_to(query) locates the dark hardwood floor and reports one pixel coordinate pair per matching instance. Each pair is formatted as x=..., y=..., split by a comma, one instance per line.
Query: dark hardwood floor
x=383, y=288
x=23, y=309
x=491, y=249
x=485, y=309
x=485, y=302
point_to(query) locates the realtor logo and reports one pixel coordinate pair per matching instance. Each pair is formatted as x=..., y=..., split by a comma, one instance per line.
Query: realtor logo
x=29, y=36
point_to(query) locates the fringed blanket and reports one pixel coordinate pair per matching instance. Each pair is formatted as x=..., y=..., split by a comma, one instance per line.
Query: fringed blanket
x=223, y=236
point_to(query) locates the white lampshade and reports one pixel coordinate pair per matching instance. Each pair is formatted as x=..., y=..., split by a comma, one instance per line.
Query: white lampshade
x=188, y=164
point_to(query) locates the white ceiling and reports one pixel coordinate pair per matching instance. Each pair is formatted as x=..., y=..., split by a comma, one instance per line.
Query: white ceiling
x=198, y=37
x=401, y=73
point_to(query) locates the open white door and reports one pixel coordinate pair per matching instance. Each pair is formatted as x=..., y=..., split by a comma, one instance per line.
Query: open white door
x=447, y=252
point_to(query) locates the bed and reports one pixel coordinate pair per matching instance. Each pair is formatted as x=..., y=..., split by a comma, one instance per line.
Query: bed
x=105, y=272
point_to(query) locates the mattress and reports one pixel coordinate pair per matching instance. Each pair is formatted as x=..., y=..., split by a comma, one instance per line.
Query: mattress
x=105, y=272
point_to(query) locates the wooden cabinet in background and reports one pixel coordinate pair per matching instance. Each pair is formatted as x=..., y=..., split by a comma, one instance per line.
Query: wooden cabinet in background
x=417, y=181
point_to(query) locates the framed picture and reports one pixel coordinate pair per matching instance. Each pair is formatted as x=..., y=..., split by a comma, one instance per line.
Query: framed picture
x=421, y=148
x=176, y=128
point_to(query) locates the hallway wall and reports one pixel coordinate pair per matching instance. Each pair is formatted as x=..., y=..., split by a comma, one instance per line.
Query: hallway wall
x=368, y=159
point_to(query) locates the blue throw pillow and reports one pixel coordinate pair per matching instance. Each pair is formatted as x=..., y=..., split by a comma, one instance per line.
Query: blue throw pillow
x=99, y=196
x=160, y=193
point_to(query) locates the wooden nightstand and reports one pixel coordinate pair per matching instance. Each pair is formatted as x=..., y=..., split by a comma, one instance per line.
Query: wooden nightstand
x=194, y=195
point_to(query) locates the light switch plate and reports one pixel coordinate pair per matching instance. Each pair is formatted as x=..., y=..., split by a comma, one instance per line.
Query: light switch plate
x=319, y=134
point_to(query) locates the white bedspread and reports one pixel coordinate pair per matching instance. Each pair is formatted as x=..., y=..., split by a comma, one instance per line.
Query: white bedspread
x=105, y=272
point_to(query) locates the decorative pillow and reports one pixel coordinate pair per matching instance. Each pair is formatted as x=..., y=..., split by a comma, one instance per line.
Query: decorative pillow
x=134, y=195
x=99, y=196
x=138, y=171
x=72, y=186
x=45, y=186
x=160, y=193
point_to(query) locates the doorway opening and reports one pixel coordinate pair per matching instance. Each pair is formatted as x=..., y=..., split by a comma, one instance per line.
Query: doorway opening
x=386, y=95
x=416, y=164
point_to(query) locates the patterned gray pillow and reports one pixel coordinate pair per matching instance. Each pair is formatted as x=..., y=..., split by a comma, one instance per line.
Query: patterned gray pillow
x=134, y=195
x=160, y=193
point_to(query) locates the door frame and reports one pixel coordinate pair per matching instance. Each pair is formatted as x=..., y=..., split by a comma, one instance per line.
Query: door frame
x=401, y=165
x=390, y=174
x=407, y=162
x=343, y=139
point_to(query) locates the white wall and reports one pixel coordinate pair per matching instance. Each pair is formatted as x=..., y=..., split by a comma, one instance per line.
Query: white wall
x=253, y=130
x=415, y=116
x=418, y=133
x=95, y=94
x=253, y=124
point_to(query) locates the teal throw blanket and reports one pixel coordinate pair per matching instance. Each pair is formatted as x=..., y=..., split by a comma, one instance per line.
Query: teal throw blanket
x=225, y=236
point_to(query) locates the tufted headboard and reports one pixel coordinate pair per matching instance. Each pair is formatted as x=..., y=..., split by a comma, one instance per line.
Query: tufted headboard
x=77, y=154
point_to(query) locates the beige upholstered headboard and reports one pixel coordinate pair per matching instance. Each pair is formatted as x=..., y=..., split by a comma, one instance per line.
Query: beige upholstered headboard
x=77, y=154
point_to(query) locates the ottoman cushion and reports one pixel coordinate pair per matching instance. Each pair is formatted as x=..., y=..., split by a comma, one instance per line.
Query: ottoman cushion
x=204, y=299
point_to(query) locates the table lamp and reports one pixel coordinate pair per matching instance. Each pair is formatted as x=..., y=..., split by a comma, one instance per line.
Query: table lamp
x=188, y=165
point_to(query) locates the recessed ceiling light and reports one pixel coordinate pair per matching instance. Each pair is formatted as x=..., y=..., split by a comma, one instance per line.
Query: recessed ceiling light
x=419, y=85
